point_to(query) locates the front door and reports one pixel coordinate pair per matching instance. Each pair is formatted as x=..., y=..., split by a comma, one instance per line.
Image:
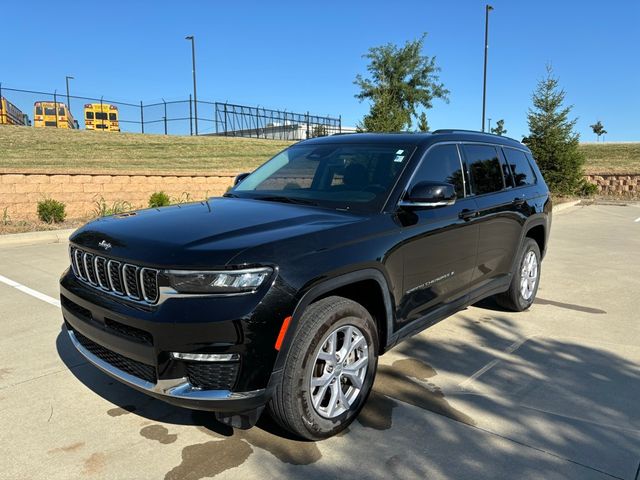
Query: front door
x=440, y=244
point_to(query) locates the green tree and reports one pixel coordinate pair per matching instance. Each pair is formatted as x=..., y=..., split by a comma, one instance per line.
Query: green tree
x=319, y=130
x=598, y=129
x=401, y=80
x=551, y=138
x=423, y=124
x=499, y=128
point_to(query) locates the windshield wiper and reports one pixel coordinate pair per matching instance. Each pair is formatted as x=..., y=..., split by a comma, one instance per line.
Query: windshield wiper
x=283, y=199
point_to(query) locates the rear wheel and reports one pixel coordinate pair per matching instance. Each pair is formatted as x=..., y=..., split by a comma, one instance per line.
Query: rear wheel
x=329, y=369
x=525, y=279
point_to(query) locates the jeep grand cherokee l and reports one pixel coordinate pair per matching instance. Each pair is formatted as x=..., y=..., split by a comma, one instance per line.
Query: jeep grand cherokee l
x=284, y=292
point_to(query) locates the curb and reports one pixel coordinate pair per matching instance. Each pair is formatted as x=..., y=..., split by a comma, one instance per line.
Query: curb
x=34, y=238
x=566, y=205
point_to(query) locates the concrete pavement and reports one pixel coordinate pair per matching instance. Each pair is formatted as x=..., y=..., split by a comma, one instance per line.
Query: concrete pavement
x=549, y=393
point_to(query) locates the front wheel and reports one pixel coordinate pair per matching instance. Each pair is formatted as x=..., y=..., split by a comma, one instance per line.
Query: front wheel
x=525, y=279
x=329, y=369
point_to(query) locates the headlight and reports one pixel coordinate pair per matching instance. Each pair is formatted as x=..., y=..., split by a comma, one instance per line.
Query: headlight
x=223, y=281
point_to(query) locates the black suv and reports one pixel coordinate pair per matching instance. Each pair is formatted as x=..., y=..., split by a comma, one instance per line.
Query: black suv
x=284, y=292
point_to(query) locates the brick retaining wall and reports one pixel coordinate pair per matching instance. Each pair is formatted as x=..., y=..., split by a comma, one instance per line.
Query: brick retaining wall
x=627, y=185
x=21, y=192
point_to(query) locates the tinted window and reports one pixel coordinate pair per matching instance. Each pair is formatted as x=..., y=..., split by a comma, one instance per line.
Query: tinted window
x=38, y=110
x=61, y=111
x=89, y=115
x=112, y=117
x=522, y=172
x=351, y=176
x=101, y=115
x=441, y=164
x=484, y=168
x=49, y=111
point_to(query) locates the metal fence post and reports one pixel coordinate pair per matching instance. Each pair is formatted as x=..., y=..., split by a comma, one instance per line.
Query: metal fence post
x=141, y=117
x=339, y=123
x=1, y=114
x=165, y=116
x=308, y=131
x=190, y=117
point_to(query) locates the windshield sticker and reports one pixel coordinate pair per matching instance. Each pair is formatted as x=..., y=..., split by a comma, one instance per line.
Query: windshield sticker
x=399, y=156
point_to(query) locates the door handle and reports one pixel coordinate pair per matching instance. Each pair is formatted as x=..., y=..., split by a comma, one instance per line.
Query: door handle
x=467, y=214
x=518, y=201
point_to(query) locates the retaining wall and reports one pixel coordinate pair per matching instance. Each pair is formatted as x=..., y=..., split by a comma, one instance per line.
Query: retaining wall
x=626, y=185
x=20, y=193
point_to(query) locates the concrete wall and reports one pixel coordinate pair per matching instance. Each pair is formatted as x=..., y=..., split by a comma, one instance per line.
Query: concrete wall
x=627, y=185
x=21, y=192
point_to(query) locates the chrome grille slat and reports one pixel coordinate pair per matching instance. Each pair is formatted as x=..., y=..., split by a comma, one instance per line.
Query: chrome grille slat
x=139, y=284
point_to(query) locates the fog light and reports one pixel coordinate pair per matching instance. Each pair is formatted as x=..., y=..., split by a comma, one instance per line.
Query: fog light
x=206, y=357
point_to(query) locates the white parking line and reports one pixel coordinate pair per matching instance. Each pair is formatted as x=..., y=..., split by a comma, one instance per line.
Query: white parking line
x=508, y=351
x=29, y=291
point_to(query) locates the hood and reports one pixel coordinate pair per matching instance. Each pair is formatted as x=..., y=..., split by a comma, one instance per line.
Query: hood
x=205, y=234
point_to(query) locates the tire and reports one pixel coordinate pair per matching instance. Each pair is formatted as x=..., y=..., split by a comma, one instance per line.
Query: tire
x=517, y=298
x=306, y=411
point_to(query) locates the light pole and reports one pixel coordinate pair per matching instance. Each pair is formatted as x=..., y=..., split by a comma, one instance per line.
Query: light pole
x=487, y=9
x=193, y=61
x=67, y=78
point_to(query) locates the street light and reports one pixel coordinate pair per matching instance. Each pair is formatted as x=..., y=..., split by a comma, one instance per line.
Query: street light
x=193, y=61
x=487, y=9
x=67, y=78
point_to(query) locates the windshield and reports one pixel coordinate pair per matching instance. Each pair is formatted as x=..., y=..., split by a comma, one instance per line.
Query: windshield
x=345, y=176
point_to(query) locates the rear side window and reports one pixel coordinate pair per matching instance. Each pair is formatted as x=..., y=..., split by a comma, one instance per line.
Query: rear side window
x=38, y=110
x=112, y=117
x=442, y=164
x=522, y=171
x=484, y=168
x=89, y=115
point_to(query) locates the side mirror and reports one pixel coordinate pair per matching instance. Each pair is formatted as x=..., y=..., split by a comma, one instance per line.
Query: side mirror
x=429, y=195
x=240, y=177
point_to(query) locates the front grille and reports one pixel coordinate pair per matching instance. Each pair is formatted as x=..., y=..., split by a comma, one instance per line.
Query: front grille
x=126, y=280
x=213, y=376
x=132, y=367
x=129, y=332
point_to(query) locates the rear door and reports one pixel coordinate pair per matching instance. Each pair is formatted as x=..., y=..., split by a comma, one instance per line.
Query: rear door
x=439, y=248
x=499, y=221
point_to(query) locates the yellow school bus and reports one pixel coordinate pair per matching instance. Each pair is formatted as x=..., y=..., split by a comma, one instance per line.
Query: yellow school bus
x=10, y=114
x=101, y=116
x=50, y=114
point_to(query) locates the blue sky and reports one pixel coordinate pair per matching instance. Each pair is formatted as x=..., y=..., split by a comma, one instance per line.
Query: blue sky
x=304, y=55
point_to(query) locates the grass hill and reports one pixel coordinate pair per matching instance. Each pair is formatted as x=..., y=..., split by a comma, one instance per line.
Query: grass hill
x=24, y=149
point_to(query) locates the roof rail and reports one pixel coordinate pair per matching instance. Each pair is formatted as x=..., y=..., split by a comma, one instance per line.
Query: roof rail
x=461, y=130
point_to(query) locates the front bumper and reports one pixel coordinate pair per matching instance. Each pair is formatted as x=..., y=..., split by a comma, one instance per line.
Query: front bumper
x=179, y=391
x=132, y=343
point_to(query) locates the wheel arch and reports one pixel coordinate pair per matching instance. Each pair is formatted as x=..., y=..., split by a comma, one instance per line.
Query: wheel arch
x=353, y=286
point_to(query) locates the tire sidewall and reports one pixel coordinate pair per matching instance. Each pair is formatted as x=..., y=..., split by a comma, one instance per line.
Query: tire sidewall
x=529, y=246
x=317, y=425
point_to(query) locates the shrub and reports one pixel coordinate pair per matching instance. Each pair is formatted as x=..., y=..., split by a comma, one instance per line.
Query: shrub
x=51, y=211
x=159, y=199
x=6, y=219
x=588, y=189
x=103, y=209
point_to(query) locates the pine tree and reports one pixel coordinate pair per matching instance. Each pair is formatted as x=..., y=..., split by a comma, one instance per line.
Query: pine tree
x=401, y=80
x=552, y=140
x=423, y=124
x=499, y=128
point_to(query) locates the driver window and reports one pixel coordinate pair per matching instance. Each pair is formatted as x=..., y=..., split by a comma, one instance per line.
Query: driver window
x=442, y=164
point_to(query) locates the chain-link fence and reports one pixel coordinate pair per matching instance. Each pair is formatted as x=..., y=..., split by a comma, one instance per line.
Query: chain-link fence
x=177, y=117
